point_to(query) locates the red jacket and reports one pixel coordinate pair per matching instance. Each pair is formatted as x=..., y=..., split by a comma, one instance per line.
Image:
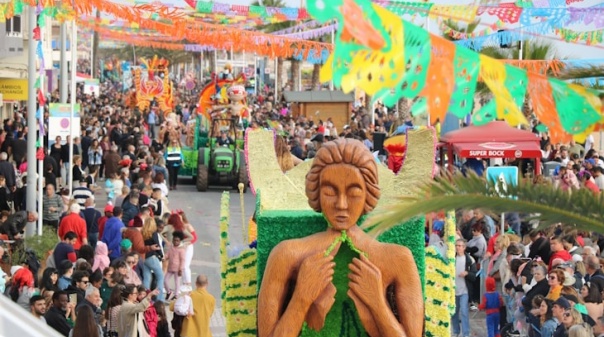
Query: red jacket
x=102, y=222
x=73, y=222
x=138, y=244
x=563, y=254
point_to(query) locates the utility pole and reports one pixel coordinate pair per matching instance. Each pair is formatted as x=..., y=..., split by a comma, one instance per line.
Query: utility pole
x=63, y=66
x=74, y=58
x=30, y=201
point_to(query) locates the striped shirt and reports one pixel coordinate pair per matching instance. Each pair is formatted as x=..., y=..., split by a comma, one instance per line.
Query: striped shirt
x=49, y=202
x=81, y=194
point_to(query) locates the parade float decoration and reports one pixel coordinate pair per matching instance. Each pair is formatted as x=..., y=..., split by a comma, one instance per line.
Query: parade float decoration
x=395, y=146
x=224, y=95
x=283, y=213
x=223, y=98
x=152, y=80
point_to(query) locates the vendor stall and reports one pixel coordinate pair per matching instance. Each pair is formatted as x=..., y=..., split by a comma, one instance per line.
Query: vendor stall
x=493, y=140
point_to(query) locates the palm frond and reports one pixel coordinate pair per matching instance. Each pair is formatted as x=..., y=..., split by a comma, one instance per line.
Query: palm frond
x=551, y=205
x=582, y=72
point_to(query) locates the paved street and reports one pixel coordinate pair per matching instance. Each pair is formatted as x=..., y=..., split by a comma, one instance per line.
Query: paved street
x=203, y=210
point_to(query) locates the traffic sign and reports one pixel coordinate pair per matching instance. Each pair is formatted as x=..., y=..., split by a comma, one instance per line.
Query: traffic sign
x=502, y=177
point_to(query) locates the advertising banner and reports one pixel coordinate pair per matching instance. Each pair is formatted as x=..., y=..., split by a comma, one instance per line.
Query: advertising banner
x=60, y=122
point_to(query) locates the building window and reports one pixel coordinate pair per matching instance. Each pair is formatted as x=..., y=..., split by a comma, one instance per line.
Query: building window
x=13, y=25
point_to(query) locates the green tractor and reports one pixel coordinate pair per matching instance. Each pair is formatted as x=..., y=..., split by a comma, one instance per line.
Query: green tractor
x=224, y=164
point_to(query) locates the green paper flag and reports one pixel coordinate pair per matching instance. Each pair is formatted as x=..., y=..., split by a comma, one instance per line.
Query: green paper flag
x=18, y=7
x=466, y=65
x=576, y=114
x=37, y=84
x=258, y=10
x=204, y=7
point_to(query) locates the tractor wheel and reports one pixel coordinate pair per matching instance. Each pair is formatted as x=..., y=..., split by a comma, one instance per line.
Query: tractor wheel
x=202, y=178
x=243, y=178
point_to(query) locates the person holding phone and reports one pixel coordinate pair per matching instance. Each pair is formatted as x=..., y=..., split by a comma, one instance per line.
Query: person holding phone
x=57, y=316
x=128, y=316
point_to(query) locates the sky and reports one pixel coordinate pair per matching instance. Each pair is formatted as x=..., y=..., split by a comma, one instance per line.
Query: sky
x=565, y=50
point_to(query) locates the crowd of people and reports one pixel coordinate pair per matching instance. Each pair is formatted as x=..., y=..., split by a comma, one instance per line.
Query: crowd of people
x=529, y=282
x=121, y=268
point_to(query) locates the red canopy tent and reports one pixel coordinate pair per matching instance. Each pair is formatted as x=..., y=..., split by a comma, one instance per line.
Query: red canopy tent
x=493, y=140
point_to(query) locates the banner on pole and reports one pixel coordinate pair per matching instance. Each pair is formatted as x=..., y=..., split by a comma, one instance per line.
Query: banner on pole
x=60, y=123
x=92, y=87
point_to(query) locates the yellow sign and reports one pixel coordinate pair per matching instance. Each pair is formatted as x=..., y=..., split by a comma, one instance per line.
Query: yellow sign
x=13, y=89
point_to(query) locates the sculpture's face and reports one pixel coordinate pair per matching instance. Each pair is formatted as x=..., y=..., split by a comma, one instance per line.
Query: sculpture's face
x=342, y=195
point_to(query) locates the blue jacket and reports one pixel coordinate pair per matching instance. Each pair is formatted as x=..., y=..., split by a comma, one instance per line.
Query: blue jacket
x=130, y=211
x=112, y=236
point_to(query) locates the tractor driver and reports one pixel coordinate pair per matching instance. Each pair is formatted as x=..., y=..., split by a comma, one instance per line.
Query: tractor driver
x=224, y=139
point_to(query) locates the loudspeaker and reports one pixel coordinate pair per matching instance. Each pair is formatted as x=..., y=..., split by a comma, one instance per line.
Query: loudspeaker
x=378, y=142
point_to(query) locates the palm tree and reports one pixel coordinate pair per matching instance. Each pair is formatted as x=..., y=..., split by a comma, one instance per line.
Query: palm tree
x=316, y=70
x=95, y=48
x=582, y=72
x=273, y=27
x=129, y=52
x=551, y=205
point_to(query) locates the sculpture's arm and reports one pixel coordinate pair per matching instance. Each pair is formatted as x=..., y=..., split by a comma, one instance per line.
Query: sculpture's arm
x=273, y=320
x=275, y=317
x=408, y=296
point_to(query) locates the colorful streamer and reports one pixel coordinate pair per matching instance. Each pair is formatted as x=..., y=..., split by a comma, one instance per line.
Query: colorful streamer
x=576, y=108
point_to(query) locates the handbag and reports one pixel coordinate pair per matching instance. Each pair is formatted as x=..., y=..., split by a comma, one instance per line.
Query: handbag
x=142, y=327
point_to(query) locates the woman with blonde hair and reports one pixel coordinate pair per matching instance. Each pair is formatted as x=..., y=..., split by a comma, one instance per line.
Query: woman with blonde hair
x=77, y=174
x=154, y=257
x=571, y=317
x=580, y=330
x=286, y=159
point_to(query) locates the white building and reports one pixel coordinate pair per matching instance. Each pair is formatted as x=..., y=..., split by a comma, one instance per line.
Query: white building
x=14, y=37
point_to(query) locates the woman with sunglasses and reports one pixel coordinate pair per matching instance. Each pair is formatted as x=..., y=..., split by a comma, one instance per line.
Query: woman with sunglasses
x=555, y=281
x=569, y=318
x=131, y=309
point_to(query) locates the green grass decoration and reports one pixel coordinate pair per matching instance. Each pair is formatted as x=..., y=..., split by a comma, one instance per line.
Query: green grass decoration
x=343, y=319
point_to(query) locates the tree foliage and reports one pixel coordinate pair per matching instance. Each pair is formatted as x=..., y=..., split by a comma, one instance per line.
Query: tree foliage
x=549, y=204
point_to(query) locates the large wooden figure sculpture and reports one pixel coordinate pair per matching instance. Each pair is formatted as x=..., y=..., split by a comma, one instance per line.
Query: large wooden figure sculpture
x=341, y=274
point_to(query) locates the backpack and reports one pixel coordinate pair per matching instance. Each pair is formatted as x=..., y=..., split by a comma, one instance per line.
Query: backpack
x=183, y=306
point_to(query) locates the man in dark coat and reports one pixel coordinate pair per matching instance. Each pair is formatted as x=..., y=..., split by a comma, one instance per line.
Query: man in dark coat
x=8, y=171
x=15, y=224
x=112, y=162
x=55, y=316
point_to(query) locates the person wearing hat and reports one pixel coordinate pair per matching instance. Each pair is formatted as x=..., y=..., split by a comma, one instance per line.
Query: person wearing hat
x=581, y=308
x=560, y=306
x=491, y=302
x=570, y=279
x=107, y=213
x=112, y=233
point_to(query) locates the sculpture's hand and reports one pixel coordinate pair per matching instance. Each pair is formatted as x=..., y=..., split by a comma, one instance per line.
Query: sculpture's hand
x=316, y=272
x=365, y=281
